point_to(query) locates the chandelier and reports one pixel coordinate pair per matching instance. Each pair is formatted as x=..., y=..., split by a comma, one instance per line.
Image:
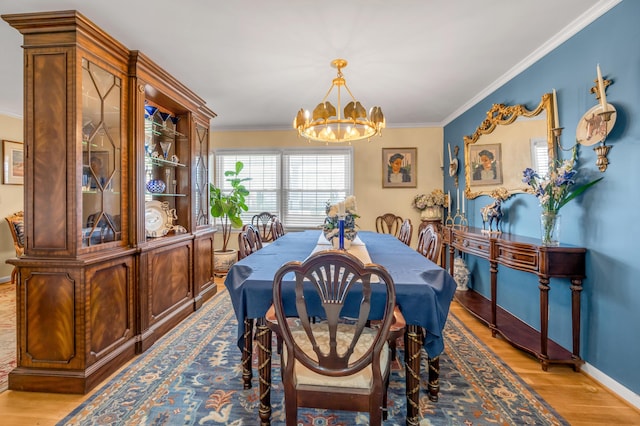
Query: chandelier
x=326, y=126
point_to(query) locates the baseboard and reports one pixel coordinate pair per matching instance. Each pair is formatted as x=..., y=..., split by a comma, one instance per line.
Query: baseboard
x=615, y=387
x=6, y=279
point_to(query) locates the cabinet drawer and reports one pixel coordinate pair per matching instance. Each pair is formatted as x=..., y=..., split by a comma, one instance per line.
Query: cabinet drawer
x=521, y=258
x=476, y=246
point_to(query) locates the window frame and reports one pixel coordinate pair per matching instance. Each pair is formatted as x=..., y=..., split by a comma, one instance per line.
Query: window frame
x=281, y=178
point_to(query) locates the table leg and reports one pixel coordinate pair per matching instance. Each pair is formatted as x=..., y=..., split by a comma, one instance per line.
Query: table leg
x=263, y=341
x=413, y=344
x=247, y=352
x=434, y=378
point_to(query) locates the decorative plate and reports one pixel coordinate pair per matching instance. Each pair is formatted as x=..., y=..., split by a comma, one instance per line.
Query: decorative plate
x=157, y=221
x=591, y=128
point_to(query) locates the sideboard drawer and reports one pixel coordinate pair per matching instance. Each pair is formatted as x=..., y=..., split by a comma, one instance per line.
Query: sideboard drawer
x=477, y=246
x=517, y=257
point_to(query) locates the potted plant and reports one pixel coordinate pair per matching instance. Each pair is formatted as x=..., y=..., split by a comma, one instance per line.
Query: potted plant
x=228, y=207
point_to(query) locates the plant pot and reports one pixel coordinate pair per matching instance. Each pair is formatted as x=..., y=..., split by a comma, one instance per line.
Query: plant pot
x=431, y=213
x=224, y=260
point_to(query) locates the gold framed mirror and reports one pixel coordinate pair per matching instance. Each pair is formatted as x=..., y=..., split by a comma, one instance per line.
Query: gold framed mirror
x=508, y=141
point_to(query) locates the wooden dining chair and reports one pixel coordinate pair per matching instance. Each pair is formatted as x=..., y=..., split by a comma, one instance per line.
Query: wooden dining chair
x=249, y=241
x=406, y=231
x=388, y=223
x=16, y=227
x=337, y=362
x=430, y=243
x=262, y=222
x=277, y=230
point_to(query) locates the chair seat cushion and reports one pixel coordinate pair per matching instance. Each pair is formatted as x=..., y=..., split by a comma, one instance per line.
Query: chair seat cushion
x=361, y=379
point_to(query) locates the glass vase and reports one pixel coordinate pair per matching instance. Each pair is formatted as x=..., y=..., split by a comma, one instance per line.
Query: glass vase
x=550, y=229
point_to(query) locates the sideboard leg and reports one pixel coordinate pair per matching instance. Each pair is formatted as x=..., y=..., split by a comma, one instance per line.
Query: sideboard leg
x=576, y=289
x=544, y=320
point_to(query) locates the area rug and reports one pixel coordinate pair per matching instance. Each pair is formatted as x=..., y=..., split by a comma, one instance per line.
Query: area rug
x=7, y=332
x=193, y=376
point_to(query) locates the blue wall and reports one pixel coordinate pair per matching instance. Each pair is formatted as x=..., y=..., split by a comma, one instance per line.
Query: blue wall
x=604, y=219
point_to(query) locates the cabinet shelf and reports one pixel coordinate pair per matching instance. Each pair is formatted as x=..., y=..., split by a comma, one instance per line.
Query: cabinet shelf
x=160, y=129
x=165, y=163
x=162, y=194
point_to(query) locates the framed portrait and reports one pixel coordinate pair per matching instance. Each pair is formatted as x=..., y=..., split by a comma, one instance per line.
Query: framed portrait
x=486, y=164
x=399, y=167
x=13, y=163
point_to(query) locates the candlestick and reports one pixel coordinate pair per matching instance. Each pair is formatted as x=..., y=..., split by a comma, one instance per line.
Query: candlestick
x=450, y=158
x=463, y=203
x=441, y=161
x=449, y=200
x=556, y=123
x=341, y=211
x=341, y=233
x=603, y=96
x=458, y=199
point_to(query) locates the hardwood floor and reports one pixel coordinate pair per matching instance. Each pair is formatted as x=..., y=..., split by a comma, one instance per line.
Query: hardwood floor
x=578, y=398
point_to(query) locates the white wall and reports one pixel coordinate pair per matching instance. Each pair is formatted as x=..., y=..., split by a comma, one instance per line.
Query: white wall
x=372, y=199
x=11, y=197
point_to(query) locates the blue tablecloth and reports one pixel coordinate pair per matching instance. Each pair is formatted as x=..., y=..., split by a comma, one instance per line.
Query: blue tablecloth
x=424, y=290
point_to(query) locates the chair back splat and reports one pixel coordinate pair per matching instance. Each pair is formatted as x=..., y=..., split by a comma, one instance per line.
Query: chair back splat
x=338, y=361
x=262, y=223
x=388, y=223
x=277, y=230
x=430, y=243
x=406, y=231
x=249, y=241
x=16, y=227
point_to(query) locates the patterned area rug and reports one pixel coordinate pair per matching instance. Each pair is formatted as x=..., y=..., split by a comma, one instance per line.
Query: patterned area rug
x=192, y=376
x=7, y=332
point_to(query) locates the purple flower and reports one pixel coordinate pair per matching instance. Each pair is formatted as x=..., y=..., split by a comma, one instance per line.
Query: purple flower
x=529, y=175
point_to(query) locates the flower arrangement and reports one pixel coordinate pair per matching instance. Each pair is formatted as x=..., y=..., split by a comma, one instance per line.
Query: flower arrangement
x=331, y=222
x=435, y=198
x=556, y=188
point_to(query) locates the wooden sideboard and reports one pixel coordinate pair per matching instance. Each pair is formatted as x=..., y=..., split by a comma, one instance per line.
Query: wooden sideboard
x=527, y=255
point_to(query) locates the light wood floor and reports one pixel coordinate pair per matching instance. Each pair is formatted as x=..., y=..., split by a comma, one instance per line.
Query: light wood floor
x=577, y=397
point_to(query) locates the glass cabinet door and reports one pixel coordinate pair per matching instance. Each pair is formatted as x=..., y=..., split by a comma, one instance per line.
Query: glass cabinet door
x=101, y=155
x=201, y=202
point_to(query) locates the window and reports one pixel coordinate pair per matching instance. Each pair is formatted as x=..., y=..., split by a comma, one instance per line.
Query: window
x=293, y=184
x=540, y=155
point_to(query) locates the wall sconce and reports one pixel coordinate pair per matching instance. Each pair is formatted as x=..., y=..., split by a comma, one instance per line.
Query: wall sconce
x=453, y=164
x=595, y=125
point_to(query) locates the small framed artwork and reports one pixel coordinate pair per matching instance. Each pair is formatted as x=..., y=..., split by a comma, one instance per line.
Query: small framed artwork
x=399, y=167
x=13, y=163
x=486, y=164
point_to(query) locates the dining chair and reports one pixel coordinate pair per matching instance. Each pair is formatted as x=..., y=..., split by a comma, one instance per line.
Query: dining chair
x=388, y=223
x=406, y=231
x=430, y=243
x=249, y=241
x=16, y=227
x=277, y=230
x=336, y=362
x=262, y=222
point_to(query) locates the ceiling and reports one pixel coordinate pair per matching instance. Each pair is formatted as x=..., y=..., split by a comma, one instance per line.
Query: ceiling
x=257, y=62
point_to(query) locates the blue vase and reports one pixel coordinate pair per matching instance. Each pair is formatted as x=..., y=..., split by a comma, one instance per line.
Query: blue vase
x=156, y=186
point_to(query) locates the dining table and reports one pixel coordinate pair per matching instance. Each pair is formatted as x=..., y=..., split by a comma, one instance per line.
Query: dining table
x=424, y=292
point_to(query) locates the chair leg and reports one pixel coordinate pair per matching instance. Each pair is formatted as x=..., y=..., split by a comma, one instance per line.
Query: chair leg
x=14, y=275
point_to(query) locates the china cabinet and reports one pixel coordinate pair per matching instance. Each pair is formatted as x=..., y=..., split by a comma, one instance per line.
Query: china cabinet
x=119, y=245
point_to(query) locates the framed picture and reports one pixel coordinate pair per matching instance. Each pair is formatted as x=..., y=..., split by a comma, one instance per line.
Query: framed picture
x=486, y=164
x=399, y=167
x=13, y=163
